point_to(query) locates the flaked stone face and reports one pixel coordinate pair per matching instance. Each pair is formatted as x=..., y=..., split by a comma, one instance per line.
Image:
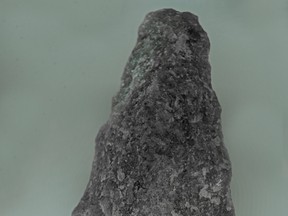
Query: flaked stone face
x=161, y=152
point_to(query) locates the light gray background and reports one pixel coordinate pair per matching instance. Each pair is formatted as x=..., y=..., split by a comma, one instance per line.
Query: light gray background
x=61, y=63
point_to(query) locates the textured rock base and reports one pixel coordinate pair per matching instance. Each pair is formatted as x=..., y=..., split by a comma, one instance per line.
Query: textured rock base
x=161, y=152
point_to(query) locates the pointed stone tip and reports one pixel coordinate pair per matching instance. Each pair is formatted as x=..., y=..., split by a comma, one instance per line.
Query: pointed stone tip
x=171, y=24
x=167, y=39
x=172, y=12
x=170, y=16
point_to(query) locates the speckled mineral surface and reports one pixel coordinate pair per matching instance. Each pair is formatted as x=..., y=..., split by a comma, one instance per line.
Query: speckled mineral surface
x=161, y=151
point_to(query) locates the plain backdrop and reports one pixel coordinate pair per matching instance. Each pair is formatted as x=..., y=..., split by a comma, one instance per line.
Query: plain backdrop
x=61, y=63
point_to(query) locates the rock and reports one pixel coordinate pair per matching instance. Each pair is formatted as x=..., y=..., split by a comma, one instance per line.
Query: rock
x=161, y=152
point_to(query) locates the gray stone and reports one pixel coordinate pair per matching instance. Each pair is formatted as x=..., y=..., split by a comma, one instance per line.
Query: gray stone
x=161, y=151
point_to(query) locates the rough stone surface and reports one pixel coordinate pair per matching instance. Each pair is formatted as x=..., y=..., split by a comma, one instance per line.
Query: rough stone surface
x=161, y=152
